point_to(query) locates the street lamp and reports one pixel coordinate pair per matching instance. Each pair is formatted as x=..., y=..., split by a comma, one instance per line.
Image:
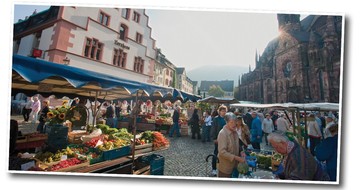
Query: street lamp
x=66, y=61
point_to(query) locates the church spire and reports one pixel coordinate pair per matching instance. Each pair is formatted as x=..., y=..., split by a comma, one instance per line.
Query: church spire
x=256, y=56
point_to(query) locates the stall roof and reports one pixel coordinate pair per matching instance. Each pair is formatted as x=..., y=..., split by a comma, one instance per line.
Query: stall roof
x=323, y=106
x=36, y=76
x=212, y=99
x=192, y=97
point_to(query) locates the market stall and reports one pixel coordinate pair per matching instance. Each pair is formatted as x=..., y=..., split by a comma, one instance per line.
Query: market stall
x=33, y=76
x=296, y=118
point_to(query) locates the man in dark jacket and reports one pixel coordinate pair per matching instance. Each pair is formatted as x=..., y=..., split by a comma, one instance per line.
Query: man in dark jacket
x=43, y=116
x=217, y=124
x=175, y=128
x=327, y=151
x=255, y=131
x=111, y=120
x=274, y=117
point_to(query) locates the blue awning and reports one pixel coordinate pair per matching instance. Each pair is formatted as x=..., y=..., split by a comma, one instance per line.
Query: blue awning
x=30, y=73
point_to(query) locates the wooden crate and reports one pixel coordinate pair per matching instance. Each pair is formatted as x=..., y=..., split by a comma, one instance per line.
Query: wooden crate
x=142, y=149
x=42, y=138
x=184, y=131
x=141, y=169
x=75, y=138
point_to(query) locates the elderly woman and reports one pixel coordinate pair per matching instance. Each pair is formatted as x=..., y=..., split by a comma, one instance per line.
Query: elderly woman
x=298, y=163
x=228, y=144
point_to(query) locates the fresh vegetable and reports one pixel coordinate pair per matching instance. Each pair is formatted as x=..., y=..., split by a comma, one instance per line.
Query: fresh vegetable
x=65, y=163
x=148, y=136
x=92, y=143
x=159, y=140
x=243, y=168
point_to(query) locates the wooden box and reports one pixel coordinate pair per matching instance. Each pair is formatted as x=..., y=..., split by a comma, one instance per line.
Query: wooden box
x=184, y=131
x=75, y=137
x=142, y=149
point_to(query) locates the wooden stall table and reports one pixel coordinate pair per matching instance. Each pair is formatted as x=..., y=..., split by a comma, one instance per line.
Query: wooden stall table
x=31, y=142
x=145, y=127
x=121, y=165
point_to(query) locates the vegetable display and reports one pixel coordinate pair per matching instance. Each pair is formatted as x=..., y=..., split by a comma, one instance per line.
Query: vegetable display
x=159, y=140
x=147, y=136
x=243, y=168
x=65, y=163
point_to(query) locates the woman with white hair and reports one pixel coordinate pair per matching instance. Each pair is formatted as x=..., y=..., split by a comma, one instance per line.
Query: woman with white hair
x=228, y=144
x=298, y=163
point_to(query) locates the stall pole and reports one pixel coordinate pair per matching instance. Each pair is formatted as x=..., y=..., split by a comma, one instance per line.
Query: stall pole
x=293, y=117
x=306, y=131
x=298, y=125
x=94, y=111
x=134, y=129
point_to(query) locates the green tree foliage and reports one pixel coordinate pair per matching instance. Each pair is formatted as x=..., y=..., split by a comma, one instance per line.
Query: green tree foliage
x=216, y=91
x=203, y=106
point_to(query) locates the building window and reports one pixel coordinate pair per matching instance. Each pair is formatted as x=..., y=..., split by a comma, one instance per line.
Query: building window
x=119, y=58
x=93, y=49
x=136, y=17
x=171, y=73
x=123, y=32
x=104, y=19
x=167, y=82
x=139, y=38
x=125, y=13
x=139, y=65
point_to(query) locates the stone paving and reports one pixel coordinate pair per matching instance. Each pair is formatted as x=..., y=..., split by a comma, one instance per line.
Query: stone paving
x=187, y=157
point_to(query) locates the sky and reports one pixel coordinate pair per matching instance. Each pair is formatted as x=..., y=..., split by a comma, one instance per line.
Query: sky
x=197, y=37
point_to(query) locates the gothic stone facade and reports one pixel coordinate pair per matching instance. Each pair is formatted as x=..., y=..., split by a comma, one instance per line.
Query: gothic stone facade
x=301, y=65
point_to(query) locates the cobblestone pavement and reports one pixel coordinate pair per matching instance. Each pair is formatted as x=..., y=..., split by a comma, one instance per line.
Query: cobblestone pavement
x=185, y=156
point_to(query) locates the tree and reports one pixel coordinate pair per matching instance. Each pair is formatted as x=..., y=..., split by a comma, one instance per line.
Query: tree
x=216, y=91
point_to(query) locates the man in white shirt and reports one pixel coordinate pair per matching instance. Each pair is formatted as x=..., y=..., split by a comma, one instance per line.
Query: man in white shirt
x=207, y=127
x=267, y=127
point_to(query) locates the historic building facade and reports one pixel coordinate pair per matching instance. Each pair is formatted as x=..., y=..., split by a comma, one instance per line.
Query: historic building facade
x=303, y=64
x=164, y=73
x=183, y=82
x=114, y=41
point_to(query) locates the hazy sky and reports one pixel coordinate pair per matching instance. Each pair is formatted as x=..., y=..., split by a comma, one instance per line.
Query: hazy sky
x=195, y=38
